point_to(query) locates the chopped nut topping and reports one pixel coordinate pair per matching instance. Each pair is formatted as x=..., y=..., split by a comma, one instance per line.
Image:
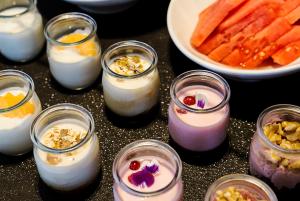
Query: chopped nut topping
x=234, y=194
x=285, y=134
x=128, y=65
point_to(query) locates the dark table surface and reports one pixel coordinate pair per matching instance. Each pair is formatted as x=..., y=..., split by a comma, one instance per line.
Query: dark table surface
x=19, y=179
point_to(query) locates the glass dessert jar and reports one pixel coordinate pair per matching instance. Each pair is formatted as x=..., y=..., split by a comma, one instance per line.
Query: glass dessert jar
x=147, y=170
x=199, y=110
x=130, y=78
x=73, y=50
x=66, y=148
x=275, y=147
x=21, y=30
x=239, y=187
x=19, y=105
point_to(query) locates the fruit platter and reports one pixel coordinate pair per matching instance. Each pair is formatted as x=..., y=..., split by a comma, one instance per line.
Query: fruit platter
x=110, y=107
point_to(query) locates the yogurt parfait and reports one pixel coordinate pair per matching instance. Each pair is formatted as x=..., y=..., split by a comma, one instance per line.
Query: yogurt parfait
x=21, y=30
x=19, y=105
x=199, y=110
x=275, y=147
x=130, y=78
x=239, y=187
x=147, y=170
x=66, y=149
x=73, y=50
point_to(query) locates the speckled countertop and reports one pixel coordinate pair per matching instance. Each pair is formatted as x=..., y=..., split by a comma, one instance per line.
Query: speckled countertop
x=19, y=179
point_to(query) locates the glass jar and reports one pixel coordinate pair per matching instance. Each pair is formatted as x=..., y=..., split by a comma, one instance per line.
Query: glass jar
x=73, y=50
x=130, y=92
x=19, y=105
x=199, y=110
x=21, y=30
x=248, y=186
x=66, y=148
x=147, y=170
x=270, y=161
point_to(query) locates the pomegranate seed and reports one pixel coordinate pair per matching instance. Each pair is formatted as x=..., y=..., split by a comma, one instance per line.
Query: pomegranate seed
x=134, y=165
x=181, y=111
x=189, y=100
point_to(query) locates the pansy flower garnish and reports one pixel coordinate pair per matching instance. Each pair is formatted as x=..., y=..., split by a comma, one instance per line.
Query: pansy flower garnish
x=145, y=177
x=201, y=100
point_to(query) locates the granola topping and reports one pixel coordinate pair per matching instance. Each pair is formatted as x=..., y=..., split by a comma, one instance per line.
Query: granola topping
x=234, y=194
x=129, y=65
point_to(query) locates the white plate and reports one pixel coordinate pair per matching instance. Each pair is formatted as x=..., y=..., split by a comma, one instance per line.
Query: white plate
x=182, y=19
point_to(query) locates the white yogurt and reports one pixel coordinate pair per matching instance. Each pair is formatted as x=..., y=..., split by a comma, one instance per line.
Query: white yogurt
x=72, y=170
x=72, y=69
x=14, y=131
x=131, y=97
x=21, y=36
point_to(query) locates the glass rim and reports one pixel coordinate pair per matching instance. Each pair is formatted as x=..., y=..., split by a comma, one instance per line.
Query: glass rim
x=128, y=43
x=149, y=143
x=70, y=15
x=25, y=77
x=259, y=126
x=61, y=107
x=240, y=177
x=205, y=73
x=31, y=6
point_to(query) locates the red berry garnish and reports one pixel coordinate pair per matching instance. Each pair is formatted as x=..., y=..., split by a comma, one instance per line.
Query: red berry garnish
x=134, y=165
x=181, y=111
x=189, y=100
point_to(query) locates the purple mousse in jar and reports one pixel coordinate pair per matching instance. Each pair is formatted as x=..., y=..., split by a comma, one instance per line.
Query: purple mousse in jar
x=239, y=187
x=199, y=110
x=275, y=147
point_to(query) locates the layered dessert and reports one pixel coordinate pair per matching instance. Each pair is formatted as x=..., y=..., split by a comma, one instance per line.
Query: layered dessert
x=75, y=63
x=21, y=33
x=280, y=163
x=15, y=122
x=72, y=162
x=133, y=86
x=195, y=130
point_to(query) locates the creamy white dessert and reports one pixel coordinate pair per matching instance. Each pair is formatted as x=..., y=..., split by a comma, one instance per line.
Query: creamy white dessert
x=68, y=170
x=75, y=66
x=21, y=36
x=131, y=96
x=15, y=124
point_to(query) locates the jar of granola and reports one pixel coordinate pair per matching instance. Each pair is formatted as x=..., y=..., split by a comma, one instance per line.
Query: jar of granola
x=275, y=147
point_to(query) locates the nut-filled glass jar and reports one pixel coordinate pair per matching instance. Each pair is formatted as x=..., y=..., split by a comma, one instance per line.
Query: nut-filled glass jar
x=239, y=187
x=21, y=30
x=275, y=147
x=73, y=50
x=147, y=170
x=19, y=105
x=66, y=148
x=130, y=78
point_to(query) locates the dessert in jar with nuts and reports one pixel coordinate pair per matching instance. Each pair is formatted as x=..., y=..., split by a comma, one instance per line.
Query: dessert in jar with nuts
x=66, y=148
x=199, y=110
x=21, y=30
x=130, y=78
x=239, y=187
x=275, y=147
x=73, y=50
x=19, y=105
x=147, y=170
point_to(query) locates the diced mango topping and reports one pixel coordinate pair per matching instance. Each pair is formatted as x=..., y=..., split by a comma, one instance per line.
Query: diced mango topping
x=10, y=100
x=88, y=48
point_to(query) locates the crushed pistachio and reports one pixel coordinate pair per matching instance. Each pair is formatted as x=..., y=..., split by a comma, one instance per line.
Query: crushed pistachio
x=285, y=134
x=129, y=65
x=234, y=194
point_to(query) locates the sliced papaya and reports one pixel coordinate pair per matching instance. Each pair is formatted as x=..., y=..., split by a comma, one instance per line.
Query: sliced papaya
x=293, y=16
x=287, y=54
x=288, y=6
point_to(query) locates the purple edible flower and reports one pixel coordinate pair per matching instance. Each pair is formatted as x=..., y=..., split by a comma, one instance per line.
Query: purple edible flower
x=201, y=103
x=141, y=178
x=201, y=100
x=152, y=168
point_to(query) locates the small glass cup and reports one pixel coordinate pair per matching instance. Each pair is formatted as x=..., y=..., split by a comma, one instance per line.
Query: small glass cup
x=19, y=105
x=132, y=160
x=199, y=110
x=244, y=184
x=21, y=30
x=269, y=161
x=130, y=95
x=71, y=167
x=73, y=50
